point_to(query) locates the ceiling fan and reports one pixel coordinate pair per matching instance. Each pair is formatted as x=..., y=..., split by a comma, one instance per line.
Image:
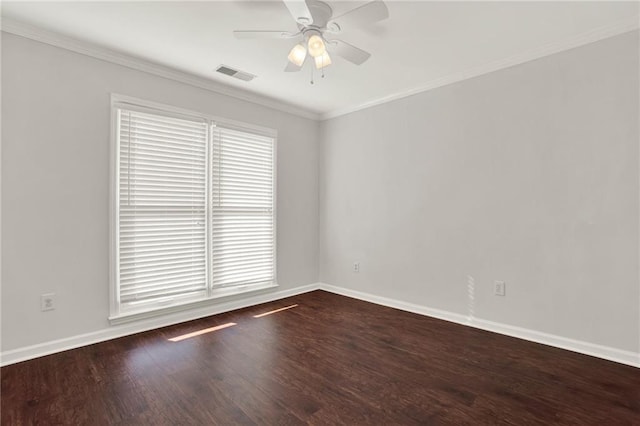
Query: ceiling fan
x=315, y=20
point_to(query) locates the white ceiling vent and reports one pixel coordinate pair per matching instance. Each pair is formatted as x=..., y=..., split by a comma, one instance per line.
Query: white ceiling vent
x=241, y=75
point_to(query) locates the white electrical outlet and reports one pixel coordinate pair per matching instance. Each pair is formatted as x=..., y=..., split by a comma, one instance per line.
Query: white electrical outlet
x=356, y=266
x=47, y=302
x=499, y=288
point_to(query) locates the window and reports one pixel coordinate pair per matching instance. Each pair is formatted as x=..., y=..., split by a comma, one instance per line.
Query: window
x=193, y=208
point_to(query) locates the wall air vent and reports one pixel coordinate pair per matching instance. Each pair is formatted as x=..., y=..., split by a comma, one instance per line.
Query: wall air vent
x=231, y=72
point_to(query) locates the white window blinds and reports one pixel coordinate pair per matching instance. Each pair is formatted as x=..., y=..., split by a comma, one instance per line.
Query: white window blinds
x=242, y=226
x=195, y=209
x=162, y=194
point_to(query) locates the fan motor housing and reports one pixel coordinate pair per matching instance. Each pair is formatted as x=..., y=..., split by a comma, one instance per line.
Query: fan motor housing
x=321, y=13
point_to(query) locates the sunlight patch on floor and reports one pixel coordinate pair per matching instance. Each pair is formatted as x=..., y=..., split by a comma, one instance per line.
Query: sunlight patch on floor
x=203, y=331
x=274, y=311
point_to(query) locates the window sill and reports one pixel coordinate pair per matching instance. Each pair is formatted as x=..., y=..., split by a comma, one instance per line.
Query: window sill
x=217, y=296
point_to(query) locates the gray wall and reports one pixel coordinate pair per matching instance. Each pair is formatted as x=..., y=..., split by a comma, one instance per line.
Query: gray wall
x=527, y=175
x=55, y=184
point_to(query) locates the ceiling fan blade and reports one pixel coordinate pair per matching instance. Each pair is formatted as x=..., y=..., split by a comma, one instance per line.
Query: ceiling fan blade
x=300, y=11
x=348, y=52
x=263, y=34
x=291, y=67
x=368, y=13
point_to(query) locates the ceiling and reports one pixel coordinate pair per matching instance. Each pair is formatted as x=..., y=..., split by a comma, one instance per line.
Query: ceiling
x=422, y=43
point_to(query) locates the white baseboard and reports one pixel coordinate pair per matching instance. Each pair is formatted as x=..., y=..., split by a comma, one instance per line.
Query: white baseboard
x=47, y=348
x=35, y=351
x=599, y=351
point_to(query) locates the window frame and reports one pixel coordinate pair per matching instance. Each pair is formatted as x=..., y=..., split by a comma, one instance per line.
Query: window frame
x=213, y=295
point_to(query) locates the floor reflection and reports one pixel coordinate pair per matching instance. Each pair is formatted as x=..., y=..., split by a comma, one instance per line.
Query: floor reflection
x=203, y=331
x=274, y=311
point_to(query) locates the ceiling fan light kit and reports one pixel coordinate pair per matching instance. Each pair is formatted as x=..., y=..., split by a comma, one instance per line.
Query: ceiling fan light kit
x=315, y=18
x=316, y=46
x=323, y=60
x=297, y=55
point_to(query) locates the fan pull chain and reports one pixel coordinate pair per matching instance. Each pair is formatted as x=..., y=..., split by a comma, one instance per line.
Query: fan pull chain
x=322, y=63
x=312, y=74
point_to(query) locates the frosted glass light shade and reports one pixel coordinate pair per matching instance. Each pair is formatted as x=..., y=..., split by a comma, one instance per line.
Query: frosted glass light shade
x=323, y=60
x=297, y=55
x=316, y=46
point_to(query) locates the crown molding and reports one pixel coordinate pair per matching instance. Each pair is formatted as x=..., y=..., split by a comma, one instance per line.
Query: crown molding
x=601, y=33
x=89, y=49
x=92, y=50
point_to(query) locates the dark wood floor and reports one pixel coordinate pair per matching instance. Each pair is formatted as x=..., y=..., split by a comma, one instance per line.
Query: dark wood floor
x=329, y=360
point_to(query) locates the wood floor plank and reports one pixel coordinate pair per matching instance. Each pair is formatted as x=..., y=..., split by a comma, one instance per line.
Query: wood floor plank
x=328, y=360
